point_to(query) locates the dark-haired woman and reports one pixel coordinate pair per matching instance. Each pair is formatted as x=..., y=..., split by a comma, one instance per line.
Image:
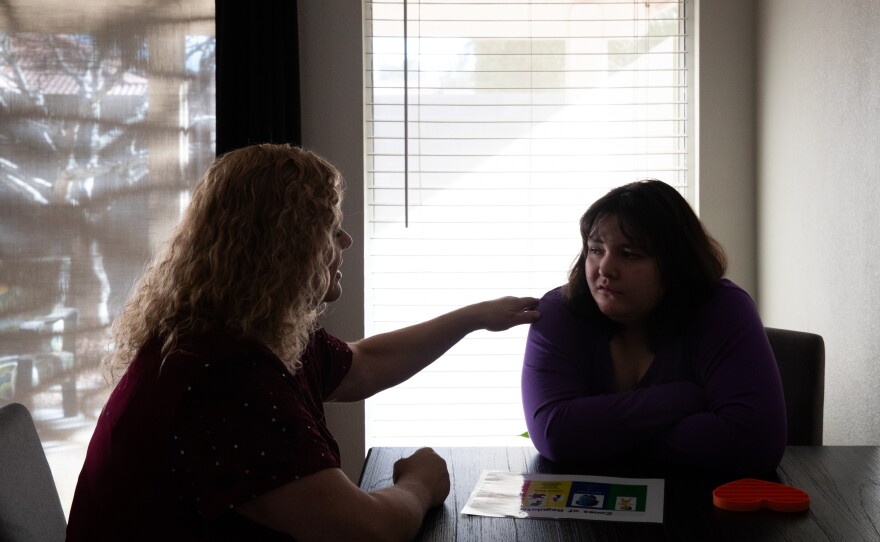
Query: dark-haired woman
x=648, y=354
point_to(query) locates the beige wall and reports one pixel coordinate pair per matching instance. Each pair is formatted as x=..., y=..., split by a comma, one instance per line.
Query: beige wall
x=331, y=71
x=819, y=183
x=725, y=128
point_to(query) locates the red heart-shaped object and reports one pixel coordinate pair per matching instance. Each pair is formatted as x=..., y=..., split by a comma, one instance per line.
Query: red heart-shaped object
x=749, y=494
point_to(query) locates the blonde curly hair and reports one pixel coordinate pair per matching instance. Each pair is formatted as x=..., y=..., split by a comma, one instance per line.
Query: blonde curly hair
x=251, y=257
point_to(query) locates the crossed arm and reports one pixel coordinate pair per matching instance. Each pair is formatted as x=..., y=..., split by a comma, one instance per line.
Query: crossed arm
x=730, y=417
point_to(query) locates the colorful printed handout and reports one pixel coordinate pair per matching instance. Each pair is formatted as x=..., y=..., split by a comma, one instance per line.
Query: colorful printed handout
x=499, y=494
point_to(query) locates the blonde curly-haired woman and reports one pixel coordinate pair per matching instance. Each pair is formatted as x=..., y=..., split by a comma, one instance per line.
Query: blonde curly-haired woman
x=215, y=428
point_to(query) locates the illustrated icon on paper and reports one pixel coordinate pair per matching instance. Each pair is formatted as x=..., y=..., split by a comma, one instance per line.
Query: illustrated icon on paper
x=588, y=500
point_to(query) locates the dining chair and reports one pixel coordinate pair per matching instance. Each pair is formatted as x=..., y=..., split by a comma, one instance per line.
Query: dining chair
x=801, y=360
x=30, y=508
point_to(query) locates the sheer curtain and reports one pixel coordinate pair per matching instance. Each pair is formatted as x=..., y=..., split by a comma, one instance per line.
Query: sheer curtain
x=491, y=126
x=107, y=121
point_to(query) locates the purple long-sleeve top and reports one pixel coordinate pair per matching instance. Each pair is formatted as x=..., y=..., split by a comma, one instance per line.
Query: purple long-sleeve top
x=711, y=400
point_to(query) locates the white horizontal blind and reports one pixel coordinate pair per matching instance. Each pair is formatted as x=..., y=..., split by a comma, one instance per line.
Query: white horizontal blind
x=514, y=118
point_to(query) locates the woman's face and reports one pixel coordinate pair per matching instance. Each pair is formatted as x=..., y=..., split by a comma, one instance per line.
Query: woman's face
x=623, y=278
x=343, y=241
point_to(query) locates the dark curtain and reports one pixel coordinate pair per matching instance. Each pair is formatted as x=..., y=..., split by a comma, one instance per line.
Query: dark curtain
x=258, y=97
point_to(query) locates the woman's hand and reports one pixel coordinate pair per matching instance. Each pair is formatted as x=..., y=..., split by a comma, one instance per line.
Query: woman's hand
x=428, y=470
x=506, y=312
x=327, y=506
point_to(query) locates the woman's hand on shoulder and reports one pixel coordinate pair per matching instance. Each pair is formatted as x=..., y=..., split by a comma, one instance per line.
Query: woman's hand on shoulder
x=506, y=312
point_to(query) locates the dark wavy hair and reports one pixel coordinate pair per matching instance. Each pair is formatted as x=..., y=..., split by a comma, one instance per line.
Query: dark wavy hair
x=655, y=217
x=251, y=257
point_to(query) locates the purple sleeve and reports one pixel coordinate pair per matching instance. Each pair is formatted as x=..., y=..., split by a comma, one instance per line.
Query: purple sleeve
x=566, y=418
x=743, y=430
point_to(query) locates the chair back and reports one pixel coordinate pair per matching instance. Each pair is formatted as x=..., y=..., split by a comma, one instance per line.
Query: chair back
x=801, y=360
x=30, y=508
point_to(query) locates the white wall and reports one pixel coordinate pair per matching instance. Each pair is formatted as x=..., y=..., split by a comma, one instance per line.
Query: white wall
x=818, y=110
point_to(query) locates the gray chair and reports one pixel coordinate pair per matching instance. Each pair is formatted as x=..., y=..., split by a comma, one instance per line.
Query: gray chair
x=801, y=360
x=30, y=509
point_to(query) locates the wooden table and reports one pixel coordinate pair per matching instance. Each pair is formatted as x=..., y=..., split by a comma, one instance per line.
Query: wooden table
x=843, y=483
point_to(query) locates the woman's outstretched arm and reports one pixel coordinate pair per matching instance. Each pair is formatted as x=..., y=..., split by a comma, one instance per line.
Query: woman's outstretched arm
x=387, y=359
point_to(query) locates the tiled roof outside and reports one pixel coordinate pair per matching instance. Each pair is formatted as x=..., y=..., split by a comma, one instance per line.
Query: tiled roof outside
x=35, y=56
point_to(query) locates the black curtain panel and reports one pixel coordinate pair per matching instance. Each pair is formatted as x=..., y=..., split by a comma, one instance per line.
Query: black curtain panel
x=258, y=97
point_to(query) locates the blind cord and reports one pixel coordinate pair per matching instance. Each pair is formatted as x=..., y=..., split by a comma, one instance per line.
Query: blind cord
x=405, y=116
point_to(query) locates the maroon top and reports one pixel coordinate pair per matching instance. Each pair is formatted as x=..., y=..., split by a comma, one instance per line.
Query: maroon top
x=176, y=450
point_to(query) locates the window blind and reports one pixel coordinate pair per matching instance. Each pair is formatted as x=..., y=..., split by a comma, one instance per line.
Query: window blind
x=490, y=127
